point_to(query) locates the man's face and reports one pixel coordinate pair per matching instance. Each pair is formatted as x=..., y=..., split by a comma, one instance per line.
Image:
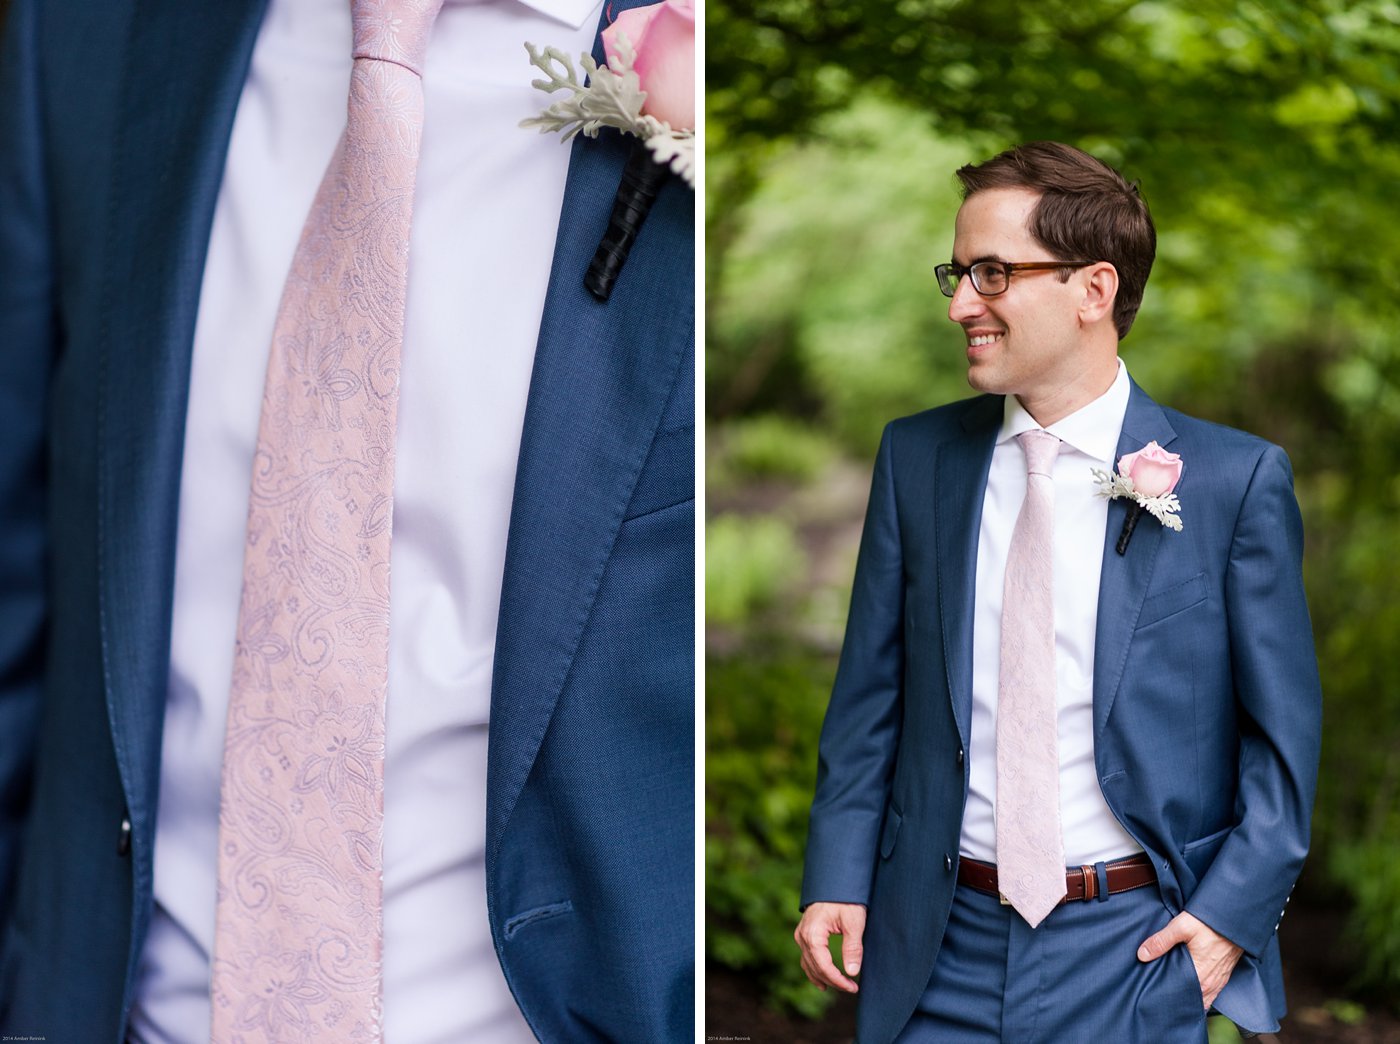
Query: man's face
x=1028, y=340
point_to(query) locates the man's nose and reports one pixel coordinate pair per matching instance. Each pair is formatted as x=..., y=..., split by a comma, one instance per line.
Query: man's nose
x=967, y=303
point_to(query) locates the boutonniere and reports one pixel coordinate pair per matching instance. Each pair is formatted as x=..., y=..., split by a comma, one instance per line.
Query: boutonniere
x=1147, y=478
x=647, y=90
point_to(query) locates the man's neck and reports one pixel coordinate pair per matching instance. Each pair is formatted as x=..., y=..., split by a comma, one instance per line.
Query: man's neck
x=1047, y=406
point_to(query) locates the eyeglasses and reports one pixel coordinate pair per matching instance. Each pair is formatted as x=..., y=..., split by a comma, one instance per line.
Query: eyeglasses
x=990, y=278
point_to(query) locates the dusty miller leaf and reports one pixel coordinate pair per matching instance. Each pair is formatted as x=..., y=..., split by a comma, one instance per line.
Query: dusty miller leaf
x=675, y=149
x=613, y=97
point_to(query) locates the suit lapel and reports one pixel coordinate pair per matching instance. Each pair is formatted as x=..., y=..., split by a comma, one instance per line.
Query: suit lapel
x=602, y=376
x=1124, y=578
x=186, y=64
x=961, y=476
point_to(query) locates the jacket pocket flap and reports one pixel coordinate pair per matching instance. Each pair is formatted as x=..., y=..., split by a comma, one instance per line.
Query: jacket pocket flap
x=1200, y=853
x=1173, y=600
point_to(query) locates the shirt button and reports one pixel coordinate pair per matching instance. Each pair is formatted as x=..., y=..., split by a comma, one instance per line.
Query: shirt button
x=947, y=862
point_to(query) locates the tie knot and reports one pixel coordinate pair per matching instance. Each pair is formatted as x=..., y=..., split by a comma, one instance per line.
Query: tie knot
x=394, y=30
x=1041, y=450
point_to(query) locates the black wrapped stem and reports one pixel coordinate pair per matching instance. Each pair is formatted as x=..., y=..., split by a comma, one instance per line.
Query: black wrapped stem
x=1135, y=512
x=641, y=180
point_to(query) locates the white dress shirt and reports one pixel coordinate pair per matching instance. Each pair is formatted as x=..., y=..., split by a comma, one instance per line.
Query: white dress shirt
x=1089, y=439
x=486, y=212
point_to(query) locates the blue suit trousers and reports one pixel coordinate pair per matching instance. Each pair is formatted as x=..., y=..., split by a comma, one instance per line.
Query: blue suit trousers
x=1074, y=978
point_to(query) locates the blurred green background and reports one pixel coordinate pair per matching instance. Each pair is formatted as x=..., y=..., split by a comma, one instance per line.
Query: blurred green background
x=1266, y=137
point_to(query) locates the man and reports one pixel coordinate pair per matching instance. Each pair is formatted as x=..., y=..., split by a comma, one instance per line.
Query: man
x=157, y=161
x=1066, y=773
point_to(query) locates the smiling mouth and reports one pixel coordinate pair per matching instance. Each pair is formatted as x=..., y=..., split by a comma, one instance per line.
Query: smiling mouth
x=984, y=339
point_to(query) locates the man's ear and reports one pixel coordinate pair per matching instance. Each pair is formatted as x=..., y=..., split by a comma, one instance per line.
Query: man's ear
x=1100, y=292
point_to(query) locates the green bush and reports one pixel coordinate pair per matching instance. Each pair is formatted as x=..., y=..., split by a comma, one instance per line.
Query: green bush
x=773, y=446
x=763, y=717
x=1357, y=824
x=749, y=561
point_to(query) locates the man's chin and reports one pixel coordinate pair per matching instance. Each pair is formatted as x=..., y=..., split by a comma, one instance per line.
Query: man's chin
x=984, y=381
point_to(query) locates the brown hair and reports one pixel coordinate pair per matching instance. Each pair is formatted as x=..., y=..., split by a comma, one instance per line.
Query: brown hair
x=1086, y=212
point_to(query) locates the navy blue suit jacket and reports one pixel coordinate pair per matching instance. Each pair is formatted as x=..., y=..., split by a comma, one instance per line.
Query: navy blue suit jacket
x=1206, y=701
x=114, y=122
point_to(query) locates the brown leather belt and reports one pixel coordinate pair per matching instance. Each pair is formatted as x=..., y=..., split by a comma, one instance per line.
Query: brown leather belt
x=1080, y=883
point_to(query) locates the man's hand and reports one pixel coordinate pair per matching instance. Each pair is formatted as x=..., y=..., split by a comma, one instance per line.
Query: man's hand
x=1213, y=955
x=819, y=923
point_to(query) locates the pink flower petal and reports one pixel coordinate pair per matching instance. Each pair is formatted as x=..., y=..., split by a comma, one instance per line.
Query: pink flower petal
x=632, y=24
x=1153, y=470
x=666, y=65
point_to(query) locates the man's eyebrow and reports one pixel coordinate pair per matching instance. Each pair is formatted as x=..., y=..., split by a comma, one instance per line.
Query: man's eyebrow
x=979, y=260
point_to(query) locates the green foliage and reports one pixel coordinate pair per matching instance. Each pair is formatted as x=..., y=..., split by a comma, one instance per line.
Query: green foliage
x=763, y=715
x=1348, y=1013
x=748, y=562
x=771, y=446
x=1353, y=573
x=1371, y=869
x=1222, y=1031
x=1266, y=92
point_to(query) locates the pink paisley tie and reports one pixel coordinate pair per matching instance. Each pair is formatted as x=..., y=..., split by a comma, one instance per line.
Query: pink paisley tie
x=298, y=929
x=1030, y=846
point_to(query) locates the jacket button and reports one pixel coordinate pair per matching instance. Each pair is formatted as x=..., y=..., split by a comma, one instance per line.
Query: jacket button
x=124, y=841
x=960, y=755
x=947, y=862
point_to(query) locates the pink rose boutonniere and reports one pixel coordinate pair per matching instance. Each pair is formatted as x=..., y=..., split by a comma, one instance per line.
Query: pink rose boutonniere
x=645, y=89
x=1149, y=479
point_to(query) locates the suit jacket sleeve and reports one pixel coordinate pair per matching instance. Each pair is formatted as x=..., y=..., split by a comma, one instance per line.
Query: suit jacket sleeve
x=27, y=334
x=861, y=732
x=1243, y=894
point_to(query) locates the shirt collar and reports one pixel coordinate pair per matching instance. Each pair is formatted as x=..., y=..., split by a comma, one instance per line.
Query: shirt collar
x=572, y=13
x=1093, y=429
